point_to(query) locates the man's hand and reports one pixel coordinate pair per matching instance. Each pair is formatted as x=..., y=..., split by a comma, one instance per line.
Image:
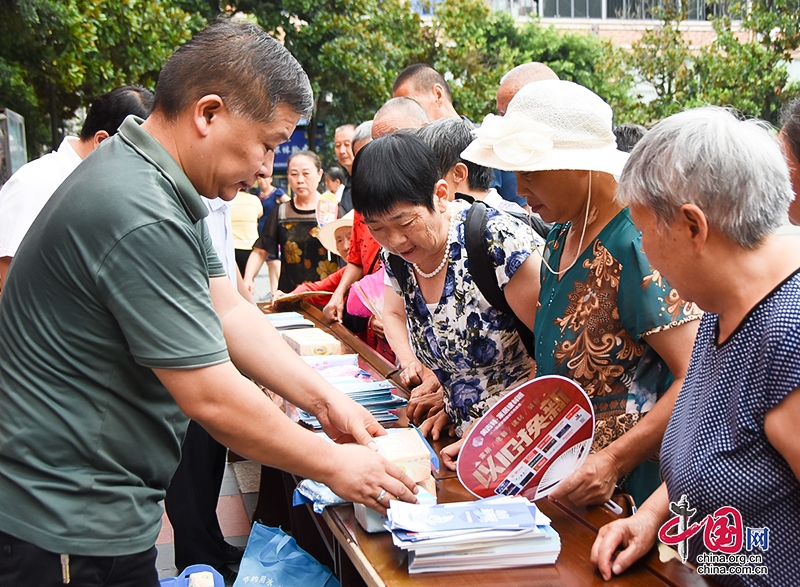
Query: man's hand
x=346, y=421
x=592, y=484
x=334, y=309
x=361, y=476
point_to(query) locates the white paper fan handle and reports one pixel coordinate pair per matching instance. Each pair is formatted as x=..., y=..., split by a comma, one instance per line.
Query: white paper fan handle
x=564, y=466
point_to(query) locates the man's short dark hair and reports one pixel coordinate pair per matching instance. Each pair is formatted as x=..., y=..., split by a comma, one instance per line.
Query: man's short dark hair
x=448, y=137
x=423, y=77
x=396, y=168
x=335, y=173
x=242, y=64
x=107, y=112
x=628, y=135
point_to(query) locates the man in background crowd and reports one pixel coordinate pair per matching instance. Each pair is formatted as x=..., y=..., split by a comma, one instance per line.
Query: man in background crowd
x=343, y=149
x=26, y=193
x=428, y=88
x=398, y=113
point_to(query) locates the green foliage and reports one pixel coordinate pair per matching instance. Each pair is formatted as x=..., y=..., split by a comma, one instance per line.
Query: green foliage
x=55, y=55
x=351, y=50
x=583, y=59
x=746, y=71
x=60, y=54
x=477, y=47
x=462, y=55
x=661, y=57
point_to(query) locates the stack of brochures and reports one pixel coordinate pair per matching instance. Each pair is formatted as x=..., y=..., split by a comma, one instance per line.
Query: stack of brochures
x=289, y=321
x=491, y=533
x=343, y=372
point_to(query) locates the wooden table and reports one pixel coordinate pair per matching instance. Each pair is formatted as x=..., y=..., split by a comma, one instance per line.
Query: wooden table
x=335, y=538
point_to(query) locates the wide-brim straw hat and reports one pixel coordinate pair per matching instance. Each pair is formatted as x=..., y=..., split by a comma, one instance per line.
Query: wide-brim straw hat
x=549, y=125
x=327, y=234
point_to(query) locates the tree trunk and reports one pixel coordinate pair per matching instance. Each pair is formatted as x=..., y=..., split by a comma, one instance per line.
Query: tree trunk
x=55, y=120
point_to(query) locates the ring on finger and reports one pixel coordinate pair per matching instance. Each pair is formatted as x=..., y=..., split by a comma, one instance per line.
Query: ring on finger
x=381, y=495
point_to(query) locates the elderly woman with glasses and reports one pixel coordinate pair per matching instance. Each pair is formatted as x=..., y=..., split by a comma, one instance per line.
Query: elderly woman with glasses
x=605, y=317
x=709, y=213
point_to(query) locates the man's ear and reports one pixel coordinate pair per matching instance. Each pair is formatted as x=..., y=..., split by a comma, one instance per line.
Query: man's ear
x=439, y=93
x=694, y=221
x=460, y=174
x=98, y=138
x=206, y=110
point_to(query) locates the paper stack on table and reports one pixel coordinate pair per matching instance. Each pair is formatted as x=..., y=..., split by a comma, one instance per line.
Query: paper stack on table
x=289, y=321
x=491, y=533
x=344, y=374
x=313, y=342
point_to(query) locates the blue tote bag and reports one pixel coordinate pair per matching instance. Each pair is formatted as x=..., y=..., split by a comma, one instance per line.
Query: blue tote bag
x=273, y=558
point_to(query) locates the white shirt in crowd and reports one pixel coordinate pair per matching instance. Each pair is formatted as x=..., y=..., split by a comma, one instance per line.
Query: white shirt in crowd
x=220, y=229
x=28, y=190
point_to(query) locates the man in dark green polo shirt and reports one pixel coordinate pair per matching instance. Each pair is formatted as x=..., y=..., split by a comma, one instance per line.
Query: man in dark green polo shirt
x=118, y=322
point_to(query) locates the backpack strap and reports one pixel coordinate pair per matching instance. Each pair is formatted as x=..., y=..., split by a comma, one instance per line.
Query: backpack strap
x=480, y=264
x=483, y=272
x=398, y=267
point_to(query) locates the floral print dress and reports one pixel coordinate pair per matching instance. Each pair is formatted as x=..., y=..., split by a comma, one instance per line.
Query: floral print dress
x=473, y=349
x=291, y=234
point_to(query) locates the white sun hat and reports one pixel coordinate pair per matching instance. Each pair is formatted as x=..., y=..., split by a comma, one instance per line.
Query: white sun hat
x=549, y=125
x=327, y=234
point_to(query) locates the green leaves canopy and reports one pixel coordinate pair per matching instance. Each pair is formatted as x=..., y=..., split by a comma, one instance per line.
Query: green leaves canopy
x=57, y=55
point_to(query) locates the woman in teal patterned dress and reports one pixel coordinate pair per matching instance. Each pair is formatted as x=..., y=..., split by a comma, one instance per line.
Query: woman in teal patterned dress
x=605, y=318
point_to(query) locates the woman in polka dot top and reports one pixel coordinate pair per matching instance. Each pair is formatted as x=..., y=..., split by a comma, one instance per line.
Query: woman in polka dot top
x=709, y=192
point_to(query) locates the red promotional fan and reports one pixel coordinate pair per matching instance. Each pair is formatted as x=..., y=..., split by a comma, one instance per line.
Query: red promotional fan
x=529, y=441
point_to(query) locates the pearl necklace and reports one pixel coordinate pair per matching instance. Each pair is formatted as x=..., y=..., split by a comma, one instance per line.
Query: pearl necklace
x=451, y=238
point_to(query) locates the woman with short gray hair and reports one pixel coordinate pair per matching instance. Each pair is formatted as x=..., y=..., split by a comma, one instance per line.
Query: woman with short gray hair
x=709, y=214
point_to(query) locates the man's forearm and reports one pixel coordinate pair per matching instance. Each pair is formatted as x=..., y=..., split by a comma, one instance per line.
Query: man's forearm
x=218, y=397
x=259, y=351
x=251, y=337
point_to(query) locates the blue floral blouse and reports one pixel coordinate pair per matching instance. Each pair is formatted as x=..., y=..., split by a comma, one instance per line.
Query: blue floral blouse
x=473, y=349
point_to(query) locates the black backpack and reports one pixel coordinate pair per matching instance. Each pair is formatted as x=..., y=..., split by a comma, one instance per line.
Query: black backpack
x=481, y=269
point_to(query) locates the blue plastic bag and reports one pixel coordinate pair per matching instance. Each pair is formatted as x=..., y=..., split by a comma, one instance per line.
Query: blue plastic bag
x=273, y=558
x=182, y=580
